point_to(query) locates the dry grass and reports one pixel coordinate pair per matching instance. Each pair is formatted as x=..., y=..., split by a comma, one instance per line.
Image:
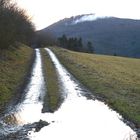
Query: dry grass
x=52, y=98
x=116, y=79
x=13, y=69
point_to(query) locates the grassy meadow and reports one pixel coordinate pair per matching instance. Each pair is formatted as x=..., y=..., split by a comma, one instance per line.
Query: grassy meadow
x=14, y=67
x=115, y=79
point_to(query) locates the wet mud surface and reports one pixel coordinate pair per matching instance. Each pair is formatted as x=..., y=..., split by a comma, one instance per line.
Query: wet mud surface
x=80, y=116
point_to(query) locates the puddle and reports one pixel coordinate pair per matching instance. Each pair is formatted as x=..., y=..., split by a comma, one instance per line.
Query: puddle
x=28, y=111
x=80, y=118
x=77, y=118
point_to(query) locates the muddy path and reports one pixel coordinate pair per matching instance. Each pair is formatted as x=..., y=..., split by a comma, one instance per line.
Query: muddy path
x=80, y=116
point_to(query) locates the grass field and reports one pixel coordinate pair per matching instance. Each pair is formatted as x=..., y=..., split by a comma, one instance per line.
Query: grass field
x=14, y=66
x=115, y=79
x=52, y=97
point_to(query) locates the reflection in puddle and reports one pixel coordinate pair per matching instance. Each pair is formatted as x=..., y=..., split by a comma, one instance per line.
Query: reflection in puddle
x=79, y=118
x=28, y=111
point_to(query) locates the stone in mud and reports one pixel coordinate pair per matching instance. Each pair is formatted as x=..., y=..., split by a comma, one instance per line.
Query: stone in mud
x=40, y=124
x=24, y=131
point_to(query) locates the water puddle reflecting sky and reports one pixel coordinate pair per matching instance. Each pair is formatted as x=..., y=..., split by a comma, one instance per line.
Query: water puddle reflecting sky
x=28, y=111
x=79, y=118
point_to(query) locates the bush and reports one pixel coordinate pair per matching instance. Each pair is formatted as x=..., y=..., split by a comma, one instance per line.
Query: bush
x=15, y=25
x=42, y=39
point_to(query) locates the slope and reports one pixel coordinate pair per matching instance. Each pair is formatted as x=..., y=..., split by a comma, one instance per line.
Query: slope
x=115, y=79
x=14, y=68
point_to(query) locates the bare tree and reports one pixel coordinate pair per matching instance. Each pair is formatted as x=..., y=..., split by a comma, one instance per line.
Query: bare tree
x=15, y=25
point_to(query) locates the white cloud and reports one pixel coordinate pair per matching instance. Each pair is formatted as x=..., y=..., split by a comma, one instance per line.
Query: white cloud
x=89, y=17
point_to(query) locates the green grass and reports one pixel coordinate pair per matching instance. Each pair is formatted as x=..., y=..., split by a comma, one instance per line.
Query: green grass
x=116, y=79
x=52, y=98
x=14, y=66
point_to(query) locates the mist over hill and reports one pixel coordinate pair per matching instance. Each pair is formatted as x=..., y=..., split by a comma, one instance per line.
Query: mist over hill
x=109, y=35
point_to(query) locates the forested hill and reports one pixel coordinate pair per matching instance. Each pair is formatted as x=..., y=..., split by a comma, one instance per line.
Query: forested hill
x=110, y=35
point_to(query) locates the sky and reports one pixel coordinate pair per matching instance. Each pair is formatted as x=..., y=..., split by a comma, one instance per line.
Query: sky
x=47, y=12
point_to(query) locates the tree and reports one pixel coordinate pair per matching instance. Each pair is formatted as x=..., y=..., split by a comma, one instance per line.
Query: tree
x=4, y=3
x=90, y=47
x=42, y=39
x=15, y=25
x=71, y=43
x=80, y=44
x=62, y=41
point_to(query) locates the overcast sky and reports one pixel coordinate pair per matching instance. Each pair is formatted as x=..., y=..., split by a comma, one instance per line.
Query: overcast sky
x=46, y=12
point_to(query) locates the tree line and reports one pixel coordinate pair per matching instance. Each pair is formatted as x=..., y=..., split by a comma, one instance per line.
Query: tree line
x=15, y=25
x=43, y=39
x=75, y=44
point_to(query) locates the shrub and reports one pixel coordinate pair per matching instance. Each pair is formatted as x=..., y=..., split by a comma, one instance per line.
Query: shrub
x=15, y=25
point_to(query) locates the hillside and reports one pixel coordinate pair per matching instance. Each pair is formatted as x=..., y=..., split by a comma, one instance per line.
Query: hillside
x=14, y=68
x=109, y=35
x=116, y=79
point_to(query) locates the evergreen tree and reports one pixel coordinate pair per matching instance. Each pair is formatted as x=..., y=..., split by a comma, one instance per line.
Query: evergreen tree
x=90, y=47
x=80, y=45
x=70, y=43
x=62, y=41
